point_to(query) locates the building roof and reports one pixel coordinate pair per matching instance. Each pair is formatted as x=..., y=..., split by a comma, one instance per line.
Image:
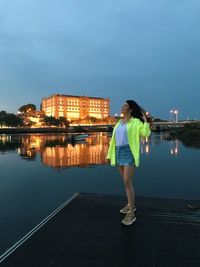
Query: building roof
x=65, y=95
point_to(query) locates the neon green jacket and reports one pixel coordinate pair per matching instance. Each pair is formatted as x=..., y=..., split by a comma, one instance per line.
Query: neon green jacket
x=135, y=129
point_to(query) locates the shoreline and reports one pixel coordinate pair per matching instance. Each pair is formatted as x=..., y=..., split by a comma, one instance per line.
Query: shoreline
x=71, y=129
x=82, y=128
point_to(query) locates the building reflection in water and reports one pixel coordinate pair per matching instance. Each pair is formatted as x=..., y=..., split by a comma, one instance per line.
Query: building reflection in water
x=82, y=154
x=55, y=151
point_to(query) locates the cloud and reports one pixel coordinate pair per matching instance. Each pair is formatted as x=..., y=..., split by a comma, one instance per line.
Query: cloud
x=100, y=47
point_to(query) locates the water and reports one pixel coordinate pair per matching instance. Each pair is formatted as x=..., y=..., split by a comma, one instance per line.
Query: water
x=39, y=172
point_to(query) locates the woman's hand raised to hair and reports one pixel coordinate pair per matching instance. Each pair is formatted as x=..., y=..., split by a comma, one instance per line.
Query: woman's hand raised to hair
x=144, y=117
x=148, y=119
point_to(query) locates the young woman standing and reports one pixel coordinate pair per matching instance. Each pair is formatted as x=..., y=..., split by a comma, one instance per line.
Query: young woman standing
x=124, y=149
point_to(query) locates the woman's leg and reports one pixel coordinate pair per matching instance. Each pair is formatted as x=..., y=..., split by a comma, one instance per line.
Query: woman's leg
x=121, y=170
x=128, y=174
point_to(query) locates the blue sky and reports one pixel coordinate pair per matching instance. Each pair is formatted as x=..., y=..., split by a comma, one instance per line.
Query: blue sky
x=142, y=50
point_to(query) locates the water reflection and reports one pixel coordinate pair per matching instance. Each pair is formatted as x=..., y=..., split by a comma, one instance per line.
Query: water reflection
x=7, y=142
x=55, y=151
x=93, y=151
x=174, y=147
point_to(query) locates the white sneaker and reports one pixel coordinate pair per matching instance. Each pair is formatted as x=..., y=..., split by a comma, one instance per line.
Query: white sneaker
x=129, y=218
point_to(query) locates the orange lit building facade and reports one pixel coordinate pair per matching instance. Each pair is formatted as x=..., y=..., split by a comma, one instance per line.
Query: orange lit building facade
x=75, y=107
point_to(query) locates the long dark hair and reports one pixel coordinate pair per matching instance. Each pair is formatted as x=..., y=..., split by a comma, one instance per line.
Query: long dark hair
x=138, y=111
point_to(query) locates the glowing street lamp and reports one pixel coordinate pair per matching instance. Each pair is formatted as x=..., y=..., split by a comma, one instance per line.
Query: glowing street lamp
x=176, y=113
x=170, y=116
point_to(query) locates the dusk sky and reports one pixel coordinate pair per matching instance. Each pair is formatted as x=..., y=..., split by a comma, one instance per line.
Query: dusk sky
x=145, y=50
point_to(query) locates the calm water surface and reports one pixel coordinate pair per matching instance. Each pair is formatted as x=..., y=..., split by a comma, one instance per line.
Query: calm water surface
x=39, y=172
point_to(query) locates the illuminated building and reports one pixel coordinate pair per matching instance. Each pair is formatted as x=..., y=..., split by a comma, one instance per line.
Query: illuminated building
x=75, y=107
x=35, y=116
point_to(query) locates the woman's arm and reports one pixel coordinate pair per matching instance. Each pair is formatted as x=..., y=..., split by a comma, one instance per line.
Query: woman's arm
x=144, y=128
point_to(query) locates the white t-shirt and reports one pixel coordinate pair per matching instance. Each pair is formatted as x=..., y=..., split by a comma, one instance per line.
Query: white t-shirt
x=121, y=135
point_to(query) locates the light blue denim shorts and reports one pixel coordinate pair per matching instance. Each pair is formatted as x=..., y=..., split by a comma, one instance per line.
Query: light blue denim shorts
x=124, y=155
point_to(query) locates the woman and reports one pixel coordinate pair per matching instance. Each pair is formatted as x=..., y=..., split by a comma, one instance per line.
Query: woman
x=124, y=149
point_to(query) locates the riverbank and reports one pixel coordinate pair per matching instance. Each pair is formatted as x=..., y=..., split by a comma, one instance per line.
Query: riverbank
x=189, y=135
x=71, y=129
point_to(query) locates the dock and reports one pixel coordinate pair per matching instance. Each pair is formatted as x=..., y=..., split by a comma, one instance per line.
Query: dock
x=86, y=230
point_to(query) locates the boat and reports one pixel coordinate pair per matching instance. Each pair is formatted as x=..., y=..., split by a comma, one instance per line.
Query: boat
x=78, y=137
x=81, y=137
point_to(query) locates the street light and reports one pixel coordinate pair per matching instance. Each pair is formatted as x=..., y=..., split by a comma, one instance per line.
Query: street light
x=174, y=112
x=170, y=117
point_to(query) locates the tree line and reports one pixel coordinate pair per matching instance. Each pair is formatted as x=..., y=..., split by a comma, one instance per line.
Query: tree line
x=13, y=120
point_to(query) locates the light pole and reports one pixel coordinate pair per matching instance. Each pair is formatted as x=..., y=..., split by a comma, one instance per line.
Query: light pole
x=176, y=113
x=170, y=117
